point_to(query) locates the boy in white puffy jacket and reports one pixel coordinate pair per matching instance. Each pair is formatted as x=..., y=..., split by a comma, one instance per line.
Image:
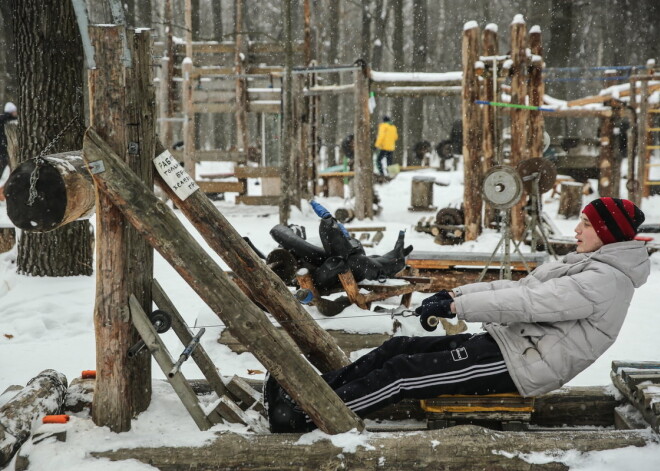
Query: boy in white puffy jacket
x=540, y=331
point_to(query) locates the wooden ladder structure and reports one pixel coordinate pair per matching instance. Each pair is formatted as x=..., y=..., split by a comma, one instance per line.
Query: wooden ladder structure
x=226, y=408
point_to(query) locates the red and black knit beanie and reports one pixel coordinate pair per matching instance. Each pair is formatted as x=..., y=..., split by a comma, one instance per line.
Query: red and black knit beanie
x=614, y=219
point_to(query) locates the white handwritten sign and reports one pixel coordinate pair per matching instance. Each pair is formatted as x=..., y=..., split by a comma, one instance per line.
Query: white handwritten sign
x=175, y=176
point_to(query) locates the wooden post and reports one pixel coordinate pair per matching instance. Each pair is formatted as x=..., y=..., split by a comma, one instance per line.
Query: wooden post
x=633, y=184
x=518, y=117
x=124, y=386
x=141, y=135
x=188, y=118
x=489, y=48
x=471, y=129
x=299, y=139
x=264, y=285
x=162, y=229
x=240, y=55
x=642, y=124
x=606, y=157
x=364, y=167
x=570, y=199
x=189, y=28
x=536, y=93
x=167, y=77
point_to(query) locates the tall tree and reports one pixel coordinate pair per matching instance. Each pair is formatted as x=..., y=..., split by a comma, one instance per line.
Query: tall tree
x=559, y=51
x=49, y=62
x=381, y=14
x=8, y=81
x=420, y=52
x=399, y=65
x=330, y=105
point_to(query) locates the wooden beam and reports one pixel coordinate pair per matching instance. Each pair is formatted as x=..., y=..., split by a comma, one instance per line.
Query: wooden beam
x=471, y=135
x=256, y=172
x=536, y=89
x=215, y=155
x=222, y=187
x=162, y=229
x=451, y=449
x=188, y=119
x=264, y=285
x=519, y=117
x=414, y=91
x=112, y=90
x=364, y=168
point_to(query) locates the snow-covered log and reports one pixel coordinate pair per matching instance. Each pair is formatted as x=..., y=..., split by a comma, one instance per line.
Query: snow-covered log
x=43, y=395
x=457, y=448
x=63, y=192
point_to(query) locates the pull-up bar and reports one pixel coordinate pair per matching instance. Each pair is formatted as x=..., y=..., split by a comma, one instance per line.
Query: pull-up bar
x=513, y=105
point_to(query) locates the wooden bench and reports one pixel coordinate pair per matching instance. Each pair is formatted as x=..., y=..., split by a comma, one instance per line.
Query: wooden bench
x=332, y=183
x=509, y=411
x=451, y=269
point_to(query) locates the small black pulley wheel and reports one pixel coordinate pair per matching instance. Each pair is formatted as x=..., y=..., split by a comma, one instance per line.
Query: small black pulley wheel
x=161, y=320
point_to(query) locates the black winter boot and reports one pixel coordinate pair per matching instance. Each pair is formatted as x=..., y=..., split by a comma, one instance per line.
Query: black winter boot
x=284, y=415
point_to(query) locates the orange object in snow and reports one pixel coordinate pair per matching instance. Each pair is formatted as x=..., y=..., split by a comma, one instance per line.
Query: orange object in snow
x=55, y=419
x=88, y=374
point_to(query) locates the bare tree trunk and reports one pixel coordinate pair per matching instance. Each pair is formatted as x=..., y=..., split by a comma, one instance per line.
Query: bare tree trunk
x=330, y=105
x=381, y=15
x=559, y=52
x=287, y=126
x=399, y=65
x=143, y=14
x=49, y=63
x=8, y=79
x=419, y=54
x=365, y=32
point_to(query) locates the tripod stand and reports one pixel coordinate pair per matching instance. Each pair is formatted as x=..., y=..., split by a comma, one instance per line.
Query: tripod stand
x=505, y=262
x=534, y=219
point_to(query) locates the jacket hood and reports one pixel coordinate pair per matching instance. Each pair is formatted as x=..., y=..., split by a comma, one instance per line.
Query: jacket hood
x=629, y=257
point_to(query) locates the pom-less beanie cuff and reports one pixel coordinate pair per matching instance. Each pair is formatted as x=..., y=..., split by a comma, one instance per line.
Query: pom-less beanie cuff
x=614, y=219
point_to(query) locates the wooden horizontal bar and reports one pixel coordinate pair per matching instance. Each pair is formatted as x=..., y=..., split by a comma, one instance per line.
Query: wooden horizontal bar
x=329, y=90
x=417, y=91
x=258, y=200
x=230, y=48
x=336, y=174
x=215, y=155
x=366, y=229
x=257, y=172
x=222, y=187
x=264, y=107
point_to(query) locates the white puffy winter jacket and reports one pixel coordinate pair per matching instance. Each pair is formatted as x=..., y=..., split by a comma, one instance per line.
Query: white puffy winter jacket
x=559, y=319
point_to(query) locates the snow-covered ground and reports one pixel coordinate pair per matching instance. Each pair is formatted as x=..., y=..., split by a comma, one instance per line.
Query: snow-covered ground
x=47, y=323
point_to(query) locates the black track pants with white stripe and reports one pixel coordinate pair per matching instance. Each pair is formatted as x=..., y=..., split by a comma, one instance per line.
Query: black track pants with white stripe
x=422, y=367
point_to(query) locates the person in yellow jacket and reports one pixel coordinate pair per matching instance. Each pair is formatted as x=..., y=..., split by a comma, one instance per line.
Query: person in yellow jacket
x=386, y=143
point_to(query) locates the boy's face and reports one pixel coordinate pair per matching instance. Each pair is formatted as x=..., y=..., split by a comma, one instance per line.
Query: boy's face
x=587, y=239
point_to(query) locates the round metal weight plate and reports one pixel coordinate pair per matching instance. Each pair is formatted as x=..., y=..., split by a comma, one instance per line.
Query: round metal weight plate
x=546, y=170
x=502, y=187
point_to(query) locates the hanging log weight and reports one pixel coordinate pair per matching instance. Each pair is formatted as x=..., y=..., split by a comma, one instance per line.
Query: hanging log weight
x=64, y=192
x=344, y=215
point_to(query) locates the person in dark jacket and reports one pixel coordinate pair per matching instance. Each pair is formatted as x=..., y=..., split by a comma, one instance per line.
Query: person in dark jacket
x=10, y=114
x=540, y=331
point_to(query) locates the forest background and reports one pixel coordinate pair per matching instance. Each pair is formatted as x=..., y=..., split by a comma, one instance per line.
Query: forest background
x=404, y=35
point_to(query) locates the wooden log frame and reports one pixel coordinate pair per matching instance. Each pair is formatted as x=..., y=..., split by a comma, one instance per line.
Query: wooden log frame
x=266, y=287
x=488, y=92
x=43, y=395
x=124, y=386
x=519, y=118
x=363, y=301
x=226, y=409
x=606, y=157
x=471, y=134
x=67, y=188
x=536, y=89
x=161, y=228
x=452, y=449
x=364, y=168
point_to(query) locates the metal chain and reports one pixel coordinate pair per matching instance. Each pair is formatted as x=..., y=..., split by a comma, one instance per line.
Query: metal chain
x=39, y=160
